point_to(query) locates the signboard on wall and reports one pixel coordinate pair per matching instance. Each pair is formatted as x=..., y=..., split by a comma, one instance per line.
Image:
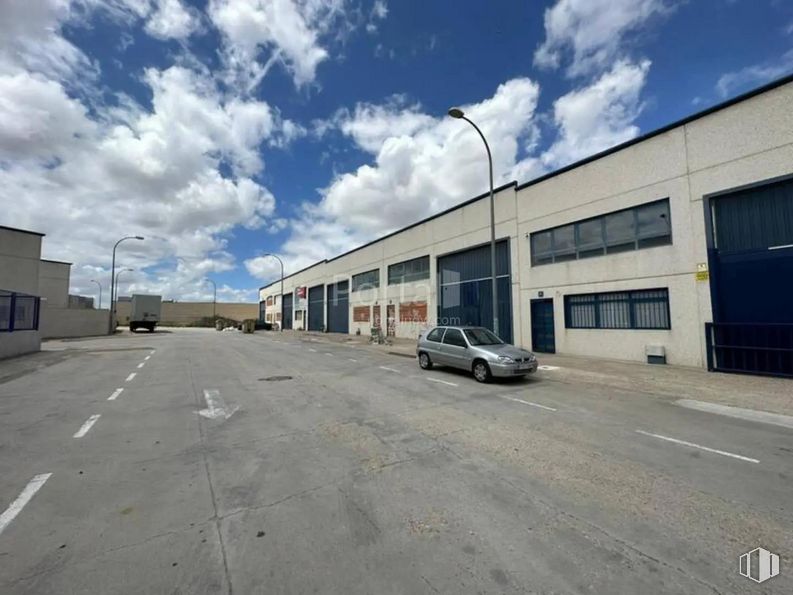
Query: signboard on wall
x=413, y=312
x=360, y=314
x=301, y=301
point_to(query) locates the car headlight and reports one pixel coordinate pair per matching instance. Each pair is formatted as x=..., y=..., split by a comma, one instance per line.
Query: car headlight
x=503, y=359
x=532, y=357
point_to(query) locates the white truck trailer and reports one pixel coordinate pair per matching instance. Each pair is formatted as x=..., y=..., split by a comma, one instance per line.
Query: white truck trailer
x=145, y=312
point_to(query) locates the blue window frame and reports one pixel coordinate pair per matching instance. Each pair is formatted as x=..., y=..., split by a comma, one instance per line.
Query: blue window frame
x=639, y=227
x=367, y=280
x=645, y=309
x=18, y=312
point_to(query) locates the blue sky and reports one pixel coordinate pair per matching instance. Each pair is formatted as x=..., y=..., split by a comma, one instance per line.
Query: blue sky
x=226, y=129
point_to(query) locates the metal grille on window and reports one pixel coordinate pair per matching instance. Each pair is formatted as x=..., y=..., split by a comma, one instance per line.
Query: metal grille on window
x=641, y=309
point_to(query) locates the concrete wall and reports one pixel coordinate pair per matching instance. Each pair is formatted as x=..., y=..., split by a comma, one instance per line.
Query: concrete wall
x=54, y=283
x=182, y=313
x=20, y=255
x=744, y=143
x=56, y=323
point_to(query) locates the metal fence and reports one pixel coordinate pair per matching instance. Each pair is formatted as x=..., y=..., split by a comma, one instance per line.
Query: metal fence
x=765, y=349
x=18, y=312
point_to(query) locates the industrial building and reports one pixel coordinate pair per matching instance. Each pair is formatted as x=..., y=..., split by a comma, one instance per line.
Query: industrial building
x=676, y=246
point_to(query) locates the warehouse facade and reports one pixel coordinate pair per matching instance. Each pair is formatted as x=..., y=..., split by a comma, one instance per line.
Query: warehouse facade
x=676, y=246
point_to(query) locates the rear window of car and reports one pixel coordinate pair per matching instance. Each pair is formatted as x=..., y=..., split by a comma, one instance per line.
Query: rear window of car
x=454, y=337
x=435, y=335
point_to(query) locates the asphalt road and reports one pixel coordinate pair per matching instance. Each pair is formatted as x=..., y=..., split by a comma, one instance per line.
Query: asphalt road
x=245, y=464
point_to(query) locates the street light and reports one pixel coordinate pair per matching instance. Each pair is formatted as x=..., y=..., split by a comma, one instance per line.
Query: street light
x=457, y=113
x=99, y=285
x=280, y=326
x=118, y=276
x=111, y=318
x=214, y=298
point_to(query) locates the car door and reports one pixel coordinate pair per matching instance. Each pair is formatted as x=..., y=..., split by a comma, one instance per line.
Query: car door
x=455, y=349
x=432, y=344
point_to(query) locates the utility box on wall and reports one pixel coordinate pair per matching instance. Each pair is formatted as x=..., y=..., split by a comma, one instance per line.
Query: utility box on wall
x=656, y=354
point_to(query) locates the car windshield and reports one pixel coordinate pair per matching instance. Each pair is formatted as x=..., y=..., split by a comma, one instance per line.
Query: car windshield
x=482, y=336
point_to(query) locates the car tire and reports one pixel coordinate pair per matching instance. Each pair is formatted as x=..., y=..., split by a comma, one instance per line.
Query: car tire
x=424, y=361
x=481, y=371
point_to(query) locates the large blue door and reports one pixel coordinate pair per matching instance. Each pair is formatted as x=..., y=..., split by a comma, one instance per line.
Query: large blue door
x=339, y=307
x=316, y=307
x=543, y=334
x=465, y=289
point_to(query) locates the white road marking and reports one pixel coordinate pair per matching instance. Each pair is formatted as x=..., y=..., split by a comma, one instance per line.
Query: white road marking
x=530, y=403
x=389, y=369
x=115, y=394
x=152, y=351
x=692, y=445
x=547, y=367
x=314, y=350
x=216, y=406
x=87, y=425
x=766, y=417
x=131, y=376
x=141, y=364
x=352, y=359
x=34, y=485
x=442, y=381
x=147, y=358
x=330, y=354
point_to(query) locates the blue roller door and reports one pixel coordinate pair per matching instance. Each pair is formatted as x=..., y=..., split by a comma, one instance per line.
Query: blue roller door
x=339, y=307
x=286, y=313
x=466, y=289
x=316, y=307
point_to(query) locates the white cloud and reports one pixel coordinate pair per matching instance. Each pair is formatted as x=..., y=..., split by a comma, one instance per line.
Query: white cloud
x=598, y=116
x=379, y=9
x=755, y=75
x=593, y=32
x=172, y=20
x=181, y=174
x=422, y=164
x=290, y=30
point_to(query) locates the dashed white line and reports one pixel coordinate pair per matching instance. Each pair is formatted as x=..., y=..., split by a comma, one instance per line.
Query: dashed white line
x=153, y=351
x=329, y=354
x=115, y=394
x=147, y=358
x=699, y=446
x=312, y=350
x=131, y=377
x=389, y=369
x=548, y=368
x=442, y=381
x=530, y=403
x=352, y=359
x=87, y=425
x=34, y=485
x=141, y=364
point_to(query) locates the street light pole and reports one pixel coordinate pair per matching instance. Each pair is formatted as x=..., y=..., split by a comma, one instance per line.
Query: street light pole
x=214, y=299
x=110, y=327
x=460, y=115
x=280, y=326
x=99, y=285
x=118, y=276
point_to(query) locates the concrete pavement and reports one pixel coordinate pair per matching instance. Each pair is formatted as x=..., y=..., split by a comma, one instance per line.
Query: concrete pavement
x=333, y=468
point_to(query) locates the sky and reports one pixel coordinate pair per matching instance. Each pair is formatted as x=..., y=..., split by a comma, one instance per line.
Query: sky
x=225, y=130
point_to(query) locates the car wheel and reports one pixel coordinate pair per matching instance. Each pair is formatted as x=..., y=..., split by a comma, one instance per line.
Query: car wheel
x=424, y=361
x=481, y=371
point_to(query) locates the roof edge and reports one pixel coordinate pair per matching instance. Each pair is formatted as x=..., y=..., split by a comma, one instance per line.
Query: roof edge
x=33, y=233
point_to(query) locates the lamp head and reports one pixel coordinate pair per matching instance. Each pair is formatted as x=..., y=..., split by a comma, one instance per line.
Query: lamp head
x=456, y=112
x=138, y=237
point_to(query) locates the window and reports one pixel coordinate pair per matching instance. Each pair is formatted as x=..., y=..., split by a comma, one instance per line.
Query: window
x=409, y=270
x=18, y=312
x=643, y=309
x=454, y=337
x=367, y=280
x=482, y=336
x=639, y=227
x=436, y=335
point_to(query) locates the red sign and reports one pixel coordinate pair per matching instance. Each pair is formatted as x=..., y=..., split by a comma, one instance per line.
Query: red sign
x=301, y=293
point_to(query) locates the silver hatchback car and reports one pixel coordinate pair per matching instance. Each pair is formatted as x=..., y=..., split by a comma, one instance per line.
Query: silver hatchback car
x=473, y=348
